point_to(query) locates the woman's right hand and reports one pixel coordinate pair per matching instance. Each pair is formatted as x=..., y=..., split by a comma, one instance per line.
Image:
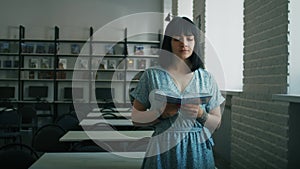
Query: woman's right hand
x=169, y=110
x=162, y=108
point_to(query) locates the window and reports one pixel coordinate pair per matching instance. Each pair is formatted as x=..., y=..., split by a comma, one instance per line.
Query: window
x=224, y=42
x=294, y=60
x=185, y=8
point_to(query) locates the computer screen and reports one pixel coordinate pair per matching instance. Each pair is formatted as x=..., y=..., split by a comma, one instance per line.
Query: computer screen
x=78, y=93
x=105, y=94
x=7, y=92
x=38, y=91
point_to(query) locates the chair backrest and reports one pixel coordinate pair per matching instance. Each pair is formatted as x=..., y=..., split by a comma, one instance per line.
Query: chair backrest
x=109, y=115
x=46, y=139
x=10, y=120
x=28, y=114
x=10, y=126
x=107, y=109
x=101, y=126
x=68, y=122
x=18, y=156
x=43, y=106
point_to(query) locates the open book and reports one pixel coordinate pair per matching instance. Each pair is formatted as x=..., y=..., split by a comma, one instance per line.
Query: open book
x=191, y=98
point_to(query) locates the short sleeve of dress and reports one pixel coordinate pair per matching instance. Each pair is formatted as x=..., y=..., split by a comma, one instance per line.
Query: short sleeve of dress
x=141, y=92
x=217, y=99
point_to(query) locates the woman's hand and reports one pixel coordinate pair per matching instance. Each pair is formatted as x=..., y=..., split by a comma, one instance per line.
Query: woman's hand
x=191, y=110
x=169, y=110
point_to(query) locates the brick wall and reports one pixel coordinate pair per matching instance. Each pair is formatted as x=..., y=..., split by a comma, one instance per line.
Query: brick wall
x=260, y=125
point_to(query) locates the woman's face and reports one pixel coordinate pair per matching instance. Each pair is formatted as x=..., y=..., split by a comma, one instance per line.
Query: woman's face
x=183, y=45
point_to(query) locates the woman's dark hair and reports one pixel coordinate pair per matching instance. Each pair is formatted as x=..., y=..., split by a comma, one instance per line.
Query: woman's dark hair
x=179, y=26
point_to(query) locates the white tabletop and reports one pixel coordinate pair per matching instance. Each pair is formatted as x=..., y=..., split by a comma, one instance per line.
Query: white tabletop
x=113, y=122
x=93, y=160
x=113, y=135
x=118, y=114
x=6, y=109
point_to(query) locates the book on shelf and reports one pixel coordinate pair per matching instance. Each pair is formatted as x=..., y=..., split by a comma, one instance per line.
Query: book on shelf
x=190, y=98
x=31, y=75
x=4, y=47
x=112, y=64
x=154, y=50
x=83, y=64
x=62, y=63
x=40, y=48
x=45, y=75
x=33, y=63
x=139, y=50
x=130, y=63
x=45, y=63
x=61, y=74
x=27, y=48
x=103, y=64
x=75, y=49
x=141, y=64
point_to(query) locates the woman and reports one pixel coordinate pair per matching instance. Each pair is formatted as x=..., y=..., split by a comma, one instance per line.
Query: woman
x=182, y=132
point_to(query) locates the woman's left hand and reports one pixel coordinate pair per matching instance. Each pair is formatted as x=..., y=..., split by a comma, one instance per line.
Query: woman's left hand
x=191, y=110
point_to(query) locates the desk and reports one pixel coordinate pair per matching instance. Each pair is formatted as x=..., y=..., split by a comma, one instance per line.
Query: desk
x=113, y=122
x=90, y=160
x=99, y=114
x=113, y=135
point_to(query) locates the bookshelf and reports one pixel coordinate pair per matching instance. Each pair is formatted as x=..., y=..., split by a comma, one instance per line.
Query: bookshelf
x=59, y=64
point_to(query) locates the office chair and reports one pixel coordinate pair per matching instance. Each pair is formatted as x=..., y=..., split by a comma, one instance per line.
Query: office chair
x=101, y=126
x=68, y=122
x=17, y=156
x=46, y=139
x=10, y=126
x=29, y=118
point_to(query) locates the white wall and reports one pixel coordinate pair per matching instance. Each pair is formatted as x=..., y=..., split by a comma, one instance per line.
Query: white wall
x=294, y=50
x=74, y=17
x=185, y=8
x=224, y=32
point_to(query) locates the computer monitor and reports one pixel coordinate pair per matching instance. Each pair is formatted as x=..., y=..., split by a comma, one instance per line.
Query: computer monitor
x=38, y=91
x=7, y=92
x=105, y=94
x=78, y=93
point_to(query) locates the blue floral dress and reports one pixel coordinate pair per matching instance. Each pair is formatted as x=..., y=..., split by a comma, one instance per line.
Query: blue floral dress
x=178, y=142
